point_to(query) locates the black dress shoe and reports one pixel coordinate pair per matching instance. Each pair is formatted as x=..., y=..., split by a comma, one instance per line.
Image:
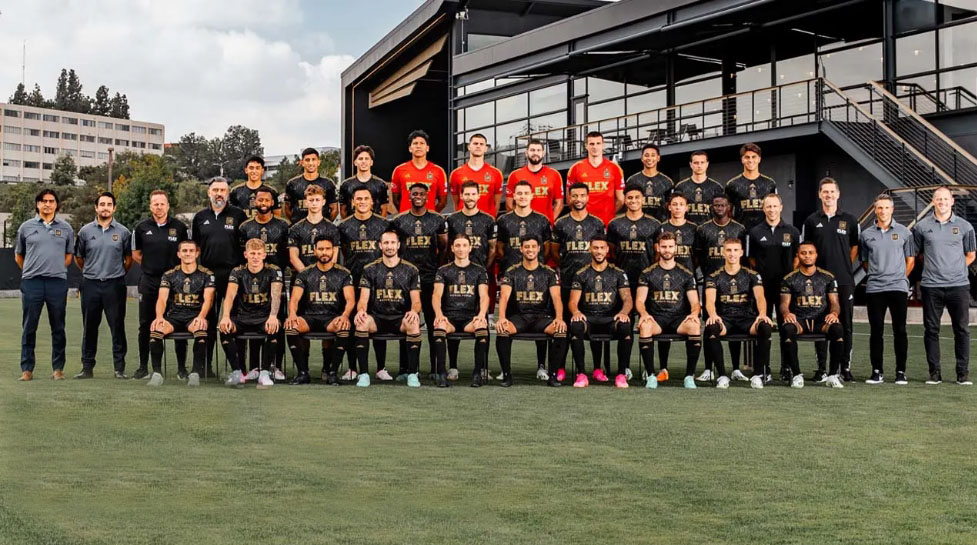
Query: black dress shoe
x=301, y=378
x=506, y=380
x=553, y=382
x=442, y=380
x=332, y=379
x=846, y=375
x=85, y=373
x=477, y=380
x=140, y=373
x=120, y=375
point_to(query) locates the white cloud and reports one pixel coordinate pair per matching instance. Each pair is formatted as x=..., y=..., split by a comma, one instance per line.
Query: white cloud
x=195, y=66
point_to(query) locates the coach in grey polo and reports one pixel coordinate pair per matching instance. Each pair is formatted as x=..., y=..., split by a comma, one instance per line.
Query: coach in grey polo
x=887, y=250
x=103, y=253
x=946, y=247
x=43, y=252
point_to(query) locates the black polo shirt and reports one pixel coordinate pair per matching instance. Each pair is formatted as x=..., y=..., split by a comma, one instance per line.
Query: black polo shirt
x=218, y=237
x=158, y=244
x=773, y=248
x=834, y=238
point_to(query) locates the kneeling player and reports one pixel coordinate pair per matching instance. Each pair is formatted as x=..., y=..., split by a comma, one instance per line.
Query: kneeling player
x=461, y=302
x=735, y=304
x=530, y=294
x=322, y=300
x=185, y=296
x=390, y=299
x=668, y=303
x=254, y=292
x=600, y=303
x=809, y=304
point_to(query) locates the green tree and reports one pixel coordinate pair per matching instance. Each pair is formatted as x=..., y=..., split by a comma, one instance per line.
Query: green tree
x=149, y=172
x=288, y=168
x=36, y=99
x=65, y=171
x=119, y=107
x=76, y=99
x=102, y=104
x=20, y=95
x=61, y=92
x=78, y=204
x=238, y=143
x=189, y=197
x=329, y=164
x=193, y=157
x=19, y=201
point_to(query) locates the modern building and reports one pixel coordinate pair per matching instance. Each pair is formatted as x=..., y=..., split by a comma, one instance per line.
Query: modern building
x=34, y=137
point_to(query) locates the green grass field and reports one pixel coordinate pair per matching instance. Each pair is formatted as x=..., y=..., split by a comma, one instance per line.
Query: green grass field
x=111, y=462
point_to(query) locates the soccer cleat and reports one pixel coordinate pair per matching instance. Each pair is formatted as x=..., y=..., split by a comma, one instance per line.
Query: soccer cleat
x=26, y=376
x=349, y=376
x=442, y=381
x=501, y=376
x=756, y=382
x=433, y=377
x=236, y=378
x=834, y=381
x=561, y=374
x=797, y=381
x=876, y=377
x=651, y=382
x=401, y=377
x=155, y=380
x=506, y=380
x=121, y=375
x=182, y=374
x=689, y=382
x=254, y=374
x=301, y=378
x=722, y=383
x=706, y=376
x=846, y=375
x=140, y=373
x=819, y=376
x=901, y=378
x=553, y=382
x=599, y=375
x=767, y=378
x=363, y=380
x=662, y=375
x=85, y=373
x=581, y=381
x=785, y=374
x=193, y=379
x=477, y=380
x=541, y=374
x=277, y=374
x=332, y=379
x=57, y=375
x=452, y=374
x=621, y=381
x=413, y=381
x=964, y=380
x=738, y=375
x=384, y=375
x=264, y=380
x=935, y=378
x=628, y=373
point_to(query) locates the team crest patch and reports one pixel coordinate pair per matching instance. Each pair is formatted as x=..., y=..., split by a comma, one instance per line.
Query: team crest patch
x=895, y=236
x=115, y=238
x=607, y=173
x=956, y=230
x=786, y=237
x=430, y=175
x=172, y=232
x=229, y=221
x=57, y=232
x=842, y=225
x=488, y=177
x=542, y=180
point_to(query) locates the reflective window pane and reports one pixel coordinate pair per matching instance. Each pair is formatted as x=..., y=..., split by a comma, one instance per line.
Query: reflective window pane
x=916, y=53
x=602, y=89
x=959, y=88
x=646, y=102
x=752, y=78
x=795, y=69
x=480, y=116
x=548, y=99
x=958, y=45
x=855, y=65
x=547, y=122
x=605, y=110
x=699, y=91
x=507, y=109
x=506, y=134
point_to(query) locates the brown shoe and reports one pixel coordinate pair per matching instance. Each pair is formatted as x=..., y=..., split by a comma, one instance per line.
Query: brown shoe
x=26, y=375
x=58, y=375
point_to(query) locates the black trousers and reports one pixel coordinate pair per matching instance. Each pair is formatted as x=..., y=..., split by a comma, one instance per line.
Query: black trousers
x=108, y=297
x=220, y=285
x=427, y=309
x=846, y=299
x=956, y=301
x=896, y=303
x=148, y=294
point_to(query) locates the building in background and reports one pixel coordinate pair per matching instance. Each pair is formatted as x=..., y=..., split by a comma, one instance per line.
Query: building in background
x=33, y=138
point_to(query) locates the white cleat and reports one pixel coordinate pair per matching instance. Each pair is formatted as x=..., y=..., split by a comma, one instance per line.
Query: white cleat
x=264, y=380
x=628, y=374
x=706, y=376
x=500, y=377
x=277, y=373
x=722, y=383
x=155, y=380
x=452, y=374
x=236, y=378
x=193, y=379
x=644, y=375
x=351, y=375
x=797, y=381
x=382, y=374
x=834, y=381
x=756, y=382
x=738, y=375
x=542, y=374
x=253, y=375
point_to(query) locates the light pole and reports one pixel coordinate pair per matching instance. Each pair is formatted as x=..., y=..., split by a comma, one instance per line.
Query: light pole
x=111, y=157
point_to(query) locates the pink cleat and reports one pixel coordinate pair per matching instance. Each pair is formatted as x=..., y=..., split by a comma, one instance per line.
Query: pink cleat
x=561, y=375
x=621, y=381
x=599, y=375
x=581, y=381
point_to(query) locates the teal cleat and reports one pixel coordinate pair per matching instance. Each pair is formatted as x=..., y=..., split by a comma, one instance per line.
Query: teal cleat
x=651, y=382
x=413, y=381
x=363, y=381
x=690, y=382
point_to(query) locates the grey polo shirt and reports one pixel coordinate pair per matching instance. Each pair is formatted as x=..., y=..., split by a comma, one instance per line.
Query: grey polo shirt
x=943, y=246
x=104, y=250
x=44, y=246
x=886, y=252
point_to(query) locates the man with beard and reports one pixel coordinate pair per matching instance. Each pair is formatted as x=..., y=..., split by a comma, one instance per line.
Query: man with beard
x=698, y=189
x=545, y=183
x=363, y=161
x=295, y=208
x=243, y=195
x=655, y=186
x=488, y=178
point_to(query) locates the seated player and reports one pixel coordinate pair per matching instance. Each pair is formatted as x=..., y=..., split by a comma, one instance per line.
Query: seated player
x=809, y=304
x=254, y=292
x=461, y=302
x=389, y=302
x=322, y=300
x=186, y=294
x=668, y=303
x=735, y=304
x=529, y=302
x=600, y=303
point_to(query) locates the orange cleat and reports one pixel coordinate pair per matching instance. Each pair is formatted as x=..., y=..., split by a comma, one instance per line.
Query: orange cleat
x=662, y=375
x=25, y=376
x=58, y=375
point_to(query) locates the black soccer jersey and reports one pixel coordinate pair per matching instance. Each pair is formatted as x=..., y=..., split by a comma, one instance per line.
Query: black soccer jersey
x=361, y=241
x=303, y=234
x=186, y=296
x=633, y=242
x=668, y=289
x=218, y=237
x=253, y=303
x=700, y=198
x=747, y=196
x=480, y=229
x=390, y=287
x=419, y=241
x=834, y=238
x=573, y=238
x=773, y=248
x=734, y=293
x=599, y=290
x=275, y=236
x=378, y=189
x=242, y=197
x=322, y=291
x=657, y=189
x=460, y=298
x=684, y=242
x=158, y=244
x=809, y=294
x=709, y=238
x=295, y=195
x=530, y=290
x=512, y=228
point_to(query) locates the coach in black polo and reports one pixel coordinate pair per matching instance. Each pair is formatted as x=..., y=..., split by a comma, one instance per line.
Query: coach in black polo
x=835, y=234
x=771, y=246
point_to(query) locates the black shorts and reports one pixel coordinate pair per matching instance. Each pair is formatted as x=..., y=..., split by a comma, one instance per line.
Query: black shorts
x=601, y=325
x=739, y=326
x=180, y=325
x=317, y=324
x=243, y=327
x=811, y=326
x=387, y=325
x=531, y=323
x=669, y=324
x=459, y=322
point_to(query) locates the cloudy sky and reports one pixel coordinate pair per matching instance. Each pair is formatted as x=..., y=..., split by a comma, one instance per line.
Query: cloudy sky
x=202, y=66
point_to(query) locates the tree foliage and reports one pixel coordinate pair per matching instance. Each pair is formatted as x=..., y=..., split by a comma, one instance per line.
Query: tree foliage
x=19, y=97
x=69, y=96
x=65, y=172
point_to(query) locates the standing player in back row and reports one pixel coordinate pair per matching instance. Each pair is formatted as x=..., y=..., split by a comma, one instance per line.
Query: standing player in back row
x=603, y=177
x=747, y=190
x=655, y=185
x=419, y=170
x=545, y=182
x=632, y=236
x=243, y=195
x=698, y=189
x=363, y=161
x=488, y=178
x=295, y=209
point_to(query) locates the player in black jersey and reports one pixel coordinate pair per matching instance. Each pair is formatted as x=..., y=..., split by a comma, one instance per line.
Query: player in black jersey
x=389, y=302
x=667, y=303
x=600, y=303
x=302, y=235
x=243, y=195
x=699, y=189
x=461, y=302
x=655, y=186
x=323, y=298
x=254, y=293
x=186, y=293
x=683, y=229
x=529, y=302
x=477, y=225
x=295, y=209
x=809, y=304
x=747, y=190
x=632, y=236
x=736, y=305
x=364, y=177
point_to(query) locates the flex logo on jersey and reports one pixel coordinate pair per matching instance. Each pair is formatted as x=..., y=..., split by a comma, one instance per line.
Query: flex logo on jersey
x=362, y=245
x=186, y=299
x=461, y=290
x=787, y=240
x=599, y=186
x=323, y=297
x=632, y=246
x=419, y=241
x=255, y=298
x=529, y=296
x=734, y=298
x=666, y=296
x=810, y=301
x=389, y=294
x=599, y=298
